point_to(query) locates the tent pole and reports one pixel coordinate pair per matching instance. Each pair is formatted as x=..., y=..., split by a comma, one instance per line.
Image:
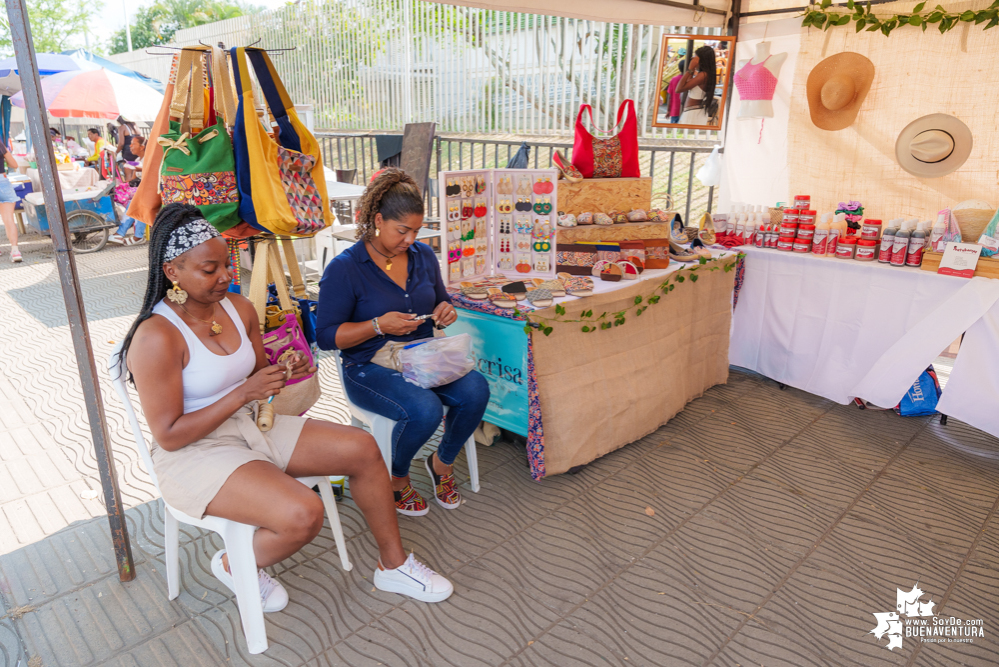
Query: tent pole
x=38, y=121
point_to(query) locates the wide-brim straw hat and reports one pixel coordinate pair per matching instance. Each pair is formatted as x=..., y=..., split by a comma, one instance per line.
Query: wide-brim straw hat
x=933, y=146
x=836, y=88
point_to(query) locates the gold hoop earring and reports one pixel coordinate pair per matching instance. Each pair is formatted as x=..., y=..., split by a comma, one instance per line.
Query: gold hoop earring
x=177, y=295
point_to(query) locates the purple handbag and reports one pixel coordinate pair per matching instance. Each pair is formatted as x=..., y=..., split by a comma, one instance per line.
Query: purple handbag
x=286, y=339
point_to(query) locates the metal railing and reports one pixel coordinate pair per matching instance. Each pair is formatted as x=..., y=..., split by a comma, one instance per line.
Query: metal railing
x=672, y=168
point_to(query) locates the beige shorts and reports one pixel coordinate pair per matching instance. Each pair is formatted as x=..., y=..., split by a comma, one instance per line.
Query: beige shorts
x=192, y=476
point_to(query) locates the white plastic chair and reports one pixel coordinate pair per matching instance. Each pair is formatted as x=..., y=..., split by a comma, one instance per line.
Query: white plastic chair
x=238, y=537
x=381, y=428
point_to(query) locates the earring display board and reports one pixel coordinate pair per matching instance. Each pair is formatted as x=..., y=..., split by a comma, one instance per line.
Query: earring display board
x=499, y=221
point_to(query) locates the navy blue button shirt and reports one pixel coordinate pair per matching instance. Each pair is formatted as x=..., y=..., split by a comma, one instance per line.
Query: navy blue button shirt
x=355, y=289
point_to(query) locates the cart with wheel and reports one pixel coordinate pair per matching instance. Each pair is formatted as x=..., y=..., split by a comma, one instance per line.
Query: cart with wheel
x=90, y=213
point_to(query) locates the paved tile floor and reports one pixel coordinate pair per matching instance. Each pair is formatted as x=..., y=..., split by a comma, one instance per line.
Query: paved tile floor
x=758, y=527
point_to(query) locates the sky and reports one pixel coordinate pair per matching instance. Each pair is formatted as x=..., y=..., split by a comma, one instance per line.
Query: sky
x=113, y=16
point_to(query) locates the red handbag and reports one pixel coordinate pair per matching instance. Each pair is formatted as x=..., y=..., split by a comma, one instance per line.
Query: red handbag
x=614, y=156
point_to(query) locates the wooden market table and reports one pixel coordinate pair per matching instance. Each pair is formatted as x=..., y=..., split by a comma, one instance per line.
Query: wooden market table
x=577, y=396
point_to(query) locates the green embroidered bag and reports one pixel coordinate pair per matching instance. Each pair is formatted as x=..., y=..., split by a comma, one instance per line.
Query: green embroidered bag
x=198, y=166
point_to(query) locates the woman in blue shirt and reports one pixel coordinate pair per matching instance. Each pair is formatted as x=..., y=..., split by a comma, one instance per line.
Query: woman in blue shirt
x=368, y=297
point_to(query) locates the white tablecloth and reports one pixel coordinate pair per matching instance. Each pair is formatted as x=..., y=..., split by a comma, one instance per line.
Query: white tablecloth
x=842, y=329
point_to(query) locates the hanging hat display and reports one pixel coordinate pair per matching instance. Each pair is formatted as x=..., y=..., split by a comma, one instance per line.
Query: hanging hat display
x=836, y=88
x=933, y=146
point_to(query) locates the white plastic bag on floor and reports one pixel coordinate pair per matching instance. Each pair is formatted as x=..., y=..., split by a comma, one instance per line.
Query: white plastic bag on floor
x=437, y=361
x=710, y=174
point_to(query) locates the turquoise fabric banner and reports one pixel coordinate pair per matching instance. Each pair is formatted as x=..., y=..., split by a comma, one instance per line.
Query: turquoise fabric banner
x=499, y=347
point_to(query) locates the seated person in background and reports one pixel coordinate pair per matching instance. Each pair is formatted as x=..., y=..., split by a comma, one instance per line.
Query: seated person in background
x=133, y=169
x=98, y=141
x=139, y=149
x=75, y=149
x=198, y=363
x=368, y=297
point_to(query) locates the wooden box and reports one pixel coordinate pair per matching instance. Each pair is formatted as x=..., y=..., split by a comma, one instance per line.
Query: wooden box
x=600, y=195
x=987, y=267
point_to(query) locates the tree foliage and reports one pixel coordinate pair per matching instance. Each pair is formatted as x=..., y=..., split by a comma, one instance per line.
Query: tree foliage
x=56, y=25
x=157, y=23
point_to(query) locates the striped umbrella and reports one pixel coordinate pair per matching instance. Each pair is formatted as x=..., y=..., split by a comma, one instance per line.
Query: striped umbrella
x=97, y=94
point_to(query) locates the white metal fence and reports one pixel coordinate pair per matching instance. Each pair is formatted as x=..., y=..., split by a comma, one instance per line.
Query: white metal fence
x=378, y=64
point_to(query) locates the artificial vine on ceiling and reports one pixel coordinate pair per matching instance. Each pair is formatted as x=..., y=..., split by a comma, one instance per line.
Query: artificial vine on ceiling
x=825, y=16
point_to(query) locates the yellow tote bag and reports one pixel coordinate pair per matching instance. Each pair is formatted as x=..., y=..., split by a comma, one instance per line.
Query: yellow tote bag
x=281, y=183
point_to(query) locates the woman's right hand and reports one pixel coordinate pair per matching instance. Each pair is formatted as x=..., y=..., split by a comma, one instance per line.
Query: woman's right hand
x=398, y=324
x=263, y=384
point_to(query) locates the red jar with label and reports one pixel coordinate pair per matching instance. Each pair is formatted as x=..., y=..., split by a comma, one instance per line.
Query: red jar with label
x=790, y=215
x=803, y=202
x=866, y=250
x=788, y=228
x=806, y=218
x=801, y=246
x=846, y=247
x=785, y=243
x=871, y=230
x=806, y=232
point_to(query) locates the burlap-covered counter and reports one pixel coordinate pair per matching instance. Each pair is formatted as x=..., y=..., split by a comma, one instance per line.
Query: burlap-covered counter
x=600, y=391
x=629, y=231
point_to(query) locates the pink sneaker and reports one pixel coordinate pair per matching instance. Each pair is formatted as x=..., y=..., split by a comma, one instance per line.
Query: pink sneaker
x=15, y=256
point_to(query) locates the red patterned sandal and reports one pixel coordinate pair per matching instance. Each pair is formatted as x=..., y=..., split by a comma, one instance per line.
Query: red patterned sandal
x=409, y=503
x=444, y=487
x=569, y=172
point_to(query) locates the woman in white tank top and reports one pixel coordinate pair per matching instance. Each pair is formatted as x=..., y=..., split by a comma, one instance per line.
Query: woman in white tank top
x=199, y=366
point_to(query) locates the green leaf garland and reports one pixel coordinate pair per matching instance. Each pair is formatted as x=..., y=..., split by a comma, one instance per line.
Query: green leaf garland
x=824, y=16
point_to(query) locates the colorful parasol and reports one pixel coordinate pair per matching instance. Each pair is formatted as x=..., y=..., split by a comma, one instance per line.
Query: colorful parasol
x=97, y=94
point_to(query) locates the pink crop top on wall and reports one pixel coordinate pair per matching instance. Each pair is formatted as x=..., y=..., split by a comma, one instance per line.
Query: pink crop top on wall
x=756, y=82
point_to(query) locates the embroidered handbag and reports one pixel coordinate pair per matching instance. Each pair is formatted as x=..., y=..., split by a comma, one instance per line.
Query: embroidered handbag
x=656, y=253
x=576, y=259
x=287, y=338
x=198, y=167
x=281, y=181
x=611, y=155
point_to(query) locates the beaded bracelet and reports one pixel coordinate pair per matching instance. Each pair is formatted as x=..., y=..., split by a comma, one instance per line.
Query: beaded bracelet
x=378, y=329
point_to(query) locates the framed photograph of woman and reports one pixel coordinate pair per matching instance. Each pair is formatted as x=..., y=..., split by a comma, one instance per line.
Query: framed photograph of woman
x=693, y=81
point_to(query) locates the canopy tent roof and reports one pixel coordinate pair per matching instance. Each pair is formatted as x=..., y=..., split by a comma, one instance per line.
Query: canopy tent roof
x=707, y=14
x=88, y=60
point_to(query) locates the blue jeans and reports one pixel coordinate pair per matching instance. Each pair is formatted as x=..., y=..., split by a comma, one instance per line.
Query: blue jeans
x=674, y=120
x=140, y=227
x=418, y=412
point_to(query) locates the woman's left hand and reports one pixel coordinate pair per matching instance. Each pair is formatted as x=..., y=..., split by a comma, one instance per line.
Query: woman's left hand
x=445, y=314
x=301, y=367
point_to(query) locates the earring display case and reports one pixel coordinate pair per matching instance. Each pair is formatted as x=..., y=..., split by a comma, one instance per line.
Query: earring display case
x=498, y=221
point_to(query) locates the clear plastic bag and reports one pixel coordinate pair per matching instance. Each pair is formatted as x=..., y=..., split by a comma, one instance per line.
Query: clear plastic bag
x=437, y=361
x=710, y=174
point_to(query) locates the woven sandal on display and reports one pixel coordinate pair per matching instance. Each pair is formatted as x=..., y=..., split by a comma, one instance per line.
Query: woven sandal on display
x=569, y=172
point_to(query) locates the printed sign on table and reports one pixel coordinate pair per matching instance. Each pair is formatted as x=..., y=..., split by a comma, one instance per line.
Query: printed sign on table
x=960, y=259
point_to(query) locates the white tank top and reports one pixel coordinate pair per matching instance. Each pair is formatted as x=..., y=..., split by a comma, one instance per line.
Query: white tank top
x=209, y=376
x=696, y=93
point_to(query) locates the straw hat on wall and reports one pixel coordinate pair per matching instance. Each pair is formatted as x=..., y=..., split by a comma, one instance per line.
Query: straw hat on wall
x=933, y=146
x=836, y=88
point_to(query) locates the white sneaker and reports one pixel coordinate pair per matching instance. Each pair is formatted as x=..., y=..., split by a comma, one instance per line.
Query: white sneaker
x=116, y=238
x=272, y=594
x=414, y=579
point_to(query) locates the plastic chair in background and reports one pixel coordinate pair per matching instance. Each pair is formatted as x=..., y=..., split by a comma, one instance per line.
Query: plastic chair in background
x=381, y=429
x=237, y=537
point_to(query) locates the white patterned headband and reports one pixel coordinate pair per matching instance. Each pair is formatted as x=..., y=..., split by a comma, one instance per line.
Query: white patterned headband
x=191, y=234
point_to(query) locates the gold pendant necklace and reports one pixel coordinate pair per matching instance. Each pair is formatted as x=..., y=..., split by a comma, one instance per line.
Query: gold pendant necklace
x=389, y=258
x=216, y=328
